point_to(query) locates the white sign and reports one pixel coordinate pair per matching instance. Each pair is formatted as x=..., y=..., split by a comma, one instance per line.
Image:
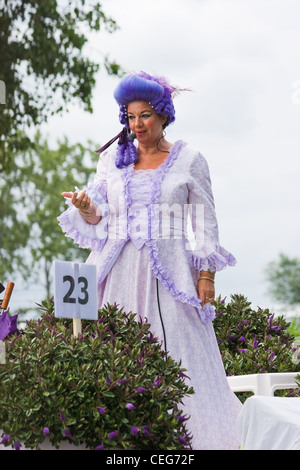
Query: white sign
x=75, y=290
x=2, y=92
x=2, y=352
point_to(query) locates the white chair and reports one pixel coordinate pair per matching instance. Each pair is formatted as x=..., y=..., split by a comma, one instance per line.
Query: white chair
x=262, y=384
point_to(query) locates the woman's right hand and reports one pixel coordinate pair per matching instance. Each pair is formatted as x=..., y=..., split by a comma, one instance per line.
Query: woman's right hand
x=85, y=206
x=82, y=201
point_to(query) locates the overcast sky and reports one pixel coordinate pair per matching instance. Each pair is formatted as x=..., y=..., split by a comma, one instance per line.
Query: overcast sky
x=241, y=60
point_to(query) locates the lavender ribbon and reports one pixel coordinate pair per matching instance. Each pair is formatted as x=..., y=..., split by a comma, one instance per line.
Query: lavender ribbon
x=121, y=136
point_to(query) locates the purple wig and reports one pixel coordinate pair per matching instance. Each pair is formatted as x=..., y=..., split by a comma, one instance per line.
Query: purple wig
x=157, y=92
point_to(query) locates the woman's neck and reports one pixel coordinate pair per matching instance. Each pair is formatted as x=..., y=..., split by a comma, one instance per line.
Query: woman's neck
x=150, y=157
x=162, y=146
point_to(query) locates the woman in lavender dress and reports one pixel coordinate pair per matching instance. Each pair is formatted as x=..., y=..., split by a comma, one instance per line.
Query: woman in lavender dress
x=135, y=217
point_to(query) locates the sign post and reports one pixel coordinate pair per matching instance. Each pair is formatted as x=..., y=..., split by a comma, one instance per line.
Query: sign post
x=75, y=292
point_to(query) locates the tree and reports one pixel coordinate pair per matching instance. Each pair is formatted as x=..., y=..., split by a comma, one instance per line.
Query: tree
x=284, y=278
x=30, y=237
x=43, y=63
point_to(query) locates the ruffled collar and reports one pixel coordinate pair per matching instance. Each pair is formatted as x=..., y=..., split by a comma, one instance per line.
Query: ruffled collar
x=164, y=167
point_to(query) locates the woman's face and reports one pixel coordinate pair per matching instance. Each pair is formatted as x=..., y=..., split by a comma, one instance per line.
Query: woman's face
x=145, y=122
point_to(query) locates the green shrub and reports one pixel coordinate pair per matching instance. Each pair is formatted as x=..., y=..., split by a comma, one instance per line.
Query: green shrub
x=254, y=341
x=112, y=387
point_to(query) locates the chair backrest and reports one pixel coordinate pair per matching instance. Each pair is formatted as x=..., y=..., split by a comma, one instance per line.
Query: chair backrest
x=263, y=384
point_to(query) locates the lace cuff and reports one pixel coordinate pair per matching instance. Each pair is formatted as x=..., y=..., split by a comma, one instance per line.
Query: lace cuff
x=76, y=227
x=215, y=261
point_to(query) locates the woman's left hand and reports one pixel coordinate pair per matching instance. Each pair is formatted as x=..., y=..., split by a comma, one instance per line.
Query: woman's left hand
x=206, y=291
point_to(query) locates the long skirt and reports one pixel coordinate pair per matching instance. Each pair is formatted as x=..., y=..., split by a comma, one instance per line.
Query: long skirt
x=213, y=408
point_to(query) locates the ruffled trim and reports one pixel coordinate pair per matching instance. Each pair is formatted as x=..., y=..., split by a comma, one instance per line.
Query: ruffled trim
x=206, y=313
x=126, y=175
x=86, y=235
x=217, y=260
x=82, y=240
x=111, y=259
x=164, y=276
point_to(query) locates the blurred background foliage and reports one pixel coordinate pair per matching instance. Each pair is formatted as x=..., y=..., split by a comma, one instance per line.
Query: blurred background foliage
x=45, y=68
x=44, y=65
x=31, y=202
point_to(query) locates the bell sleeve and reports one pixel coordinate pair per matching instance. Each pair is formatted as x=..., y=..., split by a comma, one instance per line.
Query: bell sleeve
x=74, y=226
x=208, y=254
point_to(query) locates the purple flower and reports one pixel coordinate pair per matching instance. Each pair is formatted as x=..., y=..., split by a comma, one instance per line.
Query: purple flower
x=146, y=431
x=102, y=411
x=46, y=431
x=134, y=430
x=61, y=416
x=276, y=328
x=141, y=390
x=271, y=356
x=157, y=381
x=151, y=338
x=255, y=344
x=112, y=435
x=100, y=447
x=129, y=406
x=181, y=418
x=181, y=374
x=8, y=325
x=242, y=338
x=68, y=434
x=140, y=360
x=273, y=327
x=17, y=445
x=182, y=440
x=243, y=351
x=5, y=439
x=122, y=381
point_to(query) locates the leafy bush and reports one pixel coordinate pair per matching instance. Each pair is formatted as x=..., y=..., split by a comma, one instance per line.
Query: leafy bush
x=112, y=387
x=254, y=341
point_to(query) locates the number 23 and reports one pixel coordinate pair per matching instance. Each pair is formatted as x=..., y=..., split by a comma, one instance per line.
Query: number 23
x=72, y=300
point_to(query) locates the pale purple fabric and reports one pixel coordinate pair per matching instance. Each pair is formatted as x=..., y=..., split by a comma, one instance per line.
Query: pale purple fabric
x=182, y=181
x=133, y=254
